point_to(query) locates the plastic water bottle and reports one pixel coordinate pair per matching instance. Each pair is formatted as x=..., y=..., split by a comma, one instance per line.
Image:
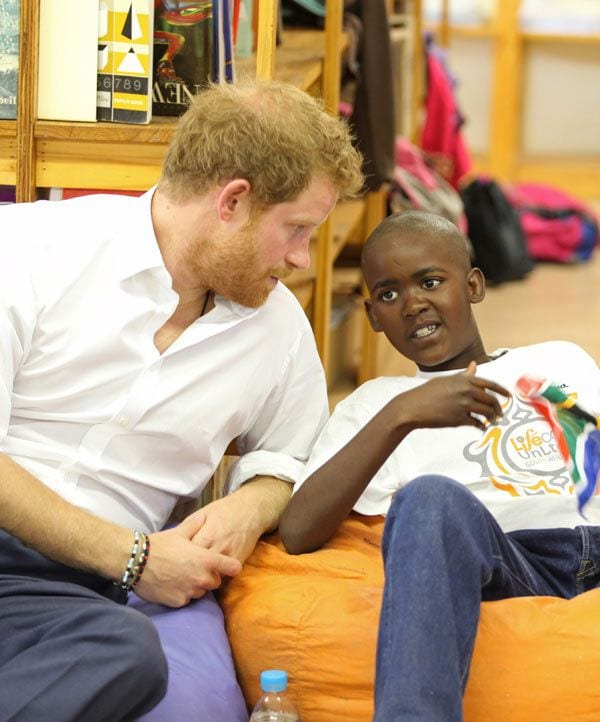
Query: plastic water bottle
x=274, y=705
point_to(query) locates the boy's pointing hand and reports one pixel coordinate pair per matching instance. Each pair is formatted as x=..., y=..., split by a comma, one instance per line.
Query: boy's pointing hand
x=461, y=399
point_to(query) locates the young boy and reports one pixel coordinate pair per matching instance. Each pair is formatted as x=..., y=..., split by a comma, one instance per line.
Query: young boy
x=489, y=511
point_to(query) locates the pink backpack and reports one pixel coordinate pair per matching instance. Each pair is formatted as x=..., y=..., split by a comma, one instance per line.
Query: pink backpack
x=416, y=185
x=557, y=226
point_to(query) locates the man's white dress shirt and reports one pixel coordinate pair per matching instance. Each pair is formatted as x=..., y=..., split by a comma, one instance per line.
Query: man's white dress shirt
x=87, y=403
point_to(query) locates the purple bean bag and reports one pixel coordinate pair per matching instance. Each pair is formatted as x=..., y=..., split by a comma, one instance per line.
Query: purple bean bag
x=202, y=682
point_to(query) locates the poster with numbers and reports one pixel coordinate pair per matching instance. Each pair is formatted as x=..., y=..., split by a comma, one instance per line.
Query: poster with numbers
x=125, y=30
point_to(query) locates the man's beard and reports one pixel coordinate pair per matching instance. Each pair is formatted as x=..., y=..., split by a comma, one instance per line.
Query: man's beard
x=231, y=267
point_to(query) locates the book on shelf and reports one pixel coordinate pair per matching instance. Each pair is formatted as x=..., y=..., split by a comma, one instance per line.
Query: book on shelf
x=183, y=53
x=223, y=69
x=7, y=195
x=68, y=60
x=193, y=44
x=125, y=30
x=9, y=58
x=243, y=36
x=236, y=11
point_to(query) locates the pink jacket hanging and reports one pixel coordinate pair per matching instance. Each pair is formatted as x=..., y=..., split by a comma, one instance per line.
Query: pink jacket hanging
x=443, y=121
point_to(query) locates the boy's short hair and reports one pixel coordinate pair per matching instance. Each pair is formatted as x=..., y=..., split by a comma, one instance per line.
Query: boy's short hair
x=415, y=224
x=272, y=134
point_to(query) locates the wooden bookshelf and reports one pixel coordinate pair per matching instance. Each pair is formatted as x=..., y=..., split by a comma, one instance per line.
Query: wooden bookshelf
x=160, y=131
x=41, y=154
x=71, y=154
x=8, y=129
x=486, y=30
x=299, y=60
x=100, y=155
x=561, y=39
x=8, y=152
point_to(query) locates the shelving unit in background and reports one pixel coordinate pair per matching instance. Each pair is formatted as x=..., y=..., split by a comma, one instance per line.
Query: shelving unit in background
x=8, y=152
x=511, y=47
x=405, y=19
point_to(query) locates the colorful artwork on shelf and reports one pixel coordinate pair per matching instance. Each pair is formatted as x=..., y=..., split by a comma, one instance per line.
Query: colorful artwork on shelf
x=182, y=53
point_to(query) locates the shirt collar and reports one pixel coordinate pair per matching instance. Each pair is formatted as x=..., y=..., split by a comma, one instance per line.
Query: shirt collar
x=247, y=312
x=494, y=356
x=234, y=308
x=141, y=252
x=140, y=247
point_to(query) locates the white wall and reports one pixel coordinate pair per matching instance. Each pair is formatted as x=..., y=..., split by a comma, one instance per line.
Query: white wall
x=561, y=80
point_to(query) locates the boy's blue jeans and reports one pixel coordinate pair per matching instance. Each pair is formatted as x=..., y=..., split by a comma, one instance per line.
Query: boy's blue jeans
x=444, y=553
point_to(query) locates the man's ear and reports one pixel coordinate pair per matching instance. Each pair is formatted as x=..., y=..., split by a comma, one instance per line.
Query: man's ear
x=371, y=315
x=233, y=200
x=476, y=285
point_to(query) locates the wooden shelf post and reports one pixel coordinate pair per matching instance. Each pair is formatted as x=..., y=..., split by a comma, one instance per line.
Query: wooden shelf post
x=27, y=101
x=375, y=211
x=506, y=94
x=324, y=260
x=266, y=38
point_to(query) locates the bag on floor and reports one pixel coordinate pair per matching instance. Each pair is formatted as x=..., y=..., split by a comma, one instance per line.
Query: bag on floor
x=557, y=226
x=495, y=232
x=418, y=186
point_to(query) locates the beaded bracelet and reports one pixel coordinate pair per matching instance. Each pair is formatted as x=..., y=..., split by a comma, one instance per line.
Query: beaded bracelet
x=137, y=560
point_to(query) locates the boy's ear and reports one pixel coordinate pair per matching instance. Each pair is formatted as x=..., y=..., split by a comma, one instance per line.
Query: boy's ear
x=476, y=285
x=372, y=316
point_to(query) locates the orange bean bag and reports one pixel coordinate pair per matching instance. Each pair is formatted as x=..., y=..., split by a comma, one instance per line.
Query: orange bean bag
x=536, y=658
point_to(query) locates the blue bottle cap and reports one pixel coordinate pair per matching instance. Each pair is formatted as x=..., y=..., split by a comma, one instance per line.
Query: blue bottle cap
x=273, y=680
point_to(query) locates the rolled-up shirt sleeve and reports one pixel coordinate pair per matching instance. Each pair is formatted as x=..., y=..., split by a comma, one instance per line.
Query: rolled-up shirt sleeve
x=284, y=431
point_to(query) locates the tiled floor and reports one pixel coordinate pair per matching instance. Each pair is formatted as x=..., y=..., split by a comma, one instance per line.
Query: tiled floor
x=557, y=301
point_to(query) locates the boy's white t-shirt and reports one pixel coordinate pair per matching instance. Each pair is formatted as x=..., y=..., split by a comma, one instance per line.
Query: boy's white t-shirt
x=513, y=467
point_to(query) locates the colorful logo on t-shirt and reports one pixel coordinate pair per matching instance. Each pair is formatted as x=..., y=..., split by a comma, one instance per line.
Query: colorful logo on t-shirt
x=520, y=455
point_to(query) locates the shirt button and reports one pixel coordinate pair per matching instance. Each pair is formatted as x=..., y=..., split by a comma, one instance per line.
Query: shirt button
x=123, y=422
